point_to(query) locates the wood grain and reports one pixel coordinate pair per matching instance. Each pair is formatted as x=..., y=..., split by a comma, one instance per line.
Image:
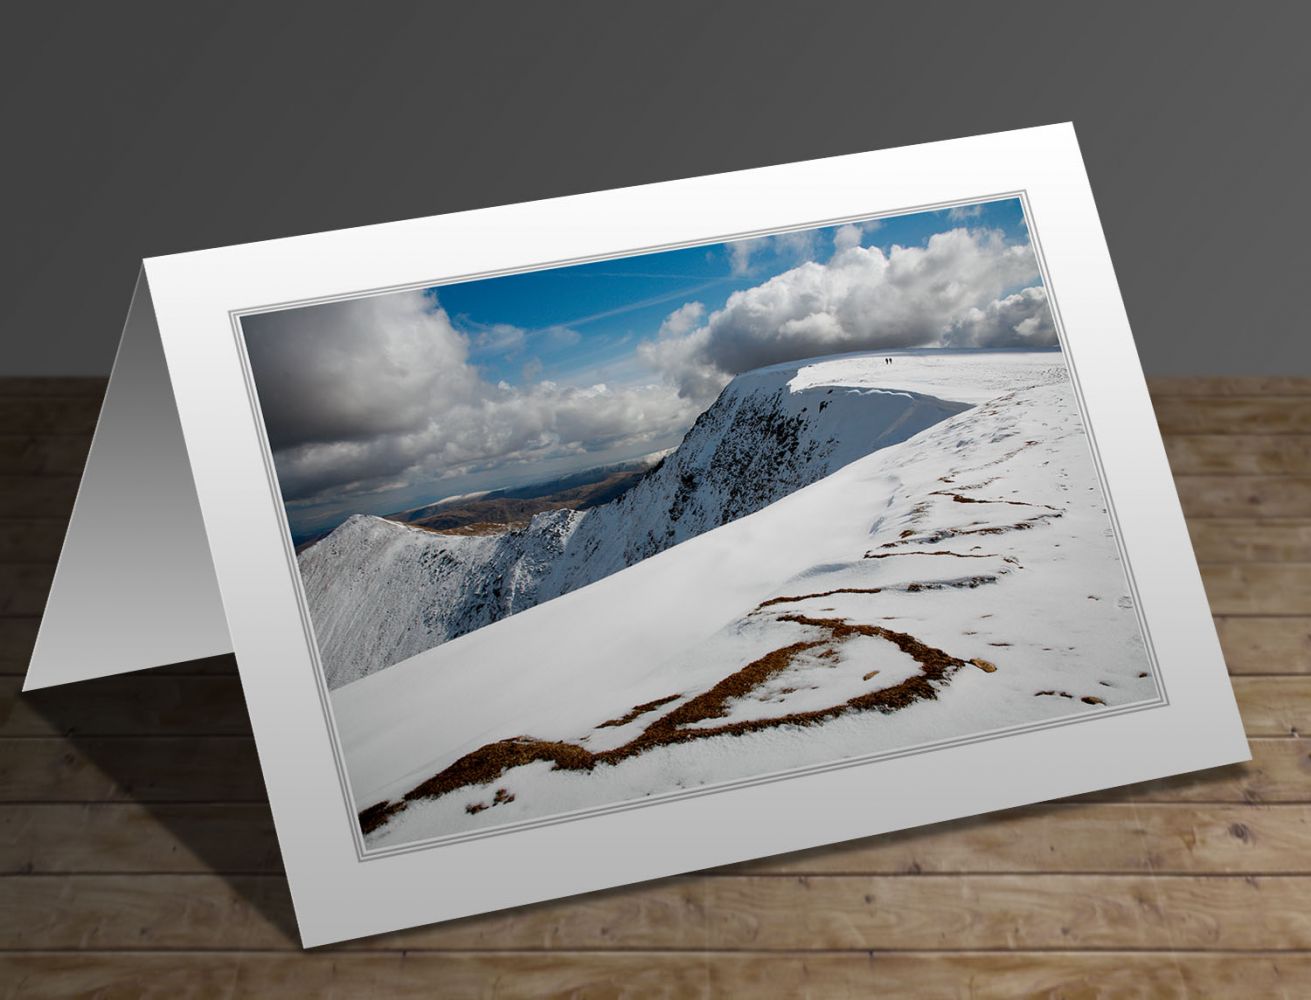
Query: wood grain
x=38, y=496
x=138, y=856
x=153, y=702
x=1064, y=837
x=159, y=769
x=1264, y=415
x=1258, y=588
x=1244, y=496
x=1235, y=540
x=1260, y=645
x=37, y=454
x=1239, y=454
x=847, y=912
x=49, y=415
x=1229, y=385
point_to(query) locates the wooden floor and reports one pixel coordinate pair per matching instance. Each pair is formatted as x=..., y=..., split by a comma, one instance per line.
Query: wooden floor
x=139, y=858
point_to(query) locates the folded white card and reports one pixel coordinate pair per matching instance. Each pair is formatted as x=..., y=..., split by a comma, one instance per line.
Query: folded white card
x=575, y=543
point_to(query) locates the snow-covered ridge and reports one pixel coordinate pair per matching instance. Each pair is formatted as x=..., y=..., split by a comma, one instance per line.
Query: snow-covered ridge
x=380, y=592
x=961, y=581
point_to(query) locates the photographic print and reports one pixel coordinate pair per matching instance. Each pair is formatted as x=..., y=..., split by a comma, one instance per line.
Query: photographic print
x=600, y=534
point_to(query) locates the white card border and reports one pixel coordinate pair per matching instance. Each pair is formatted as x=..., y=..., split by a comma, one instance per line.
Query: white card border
x=337, y=896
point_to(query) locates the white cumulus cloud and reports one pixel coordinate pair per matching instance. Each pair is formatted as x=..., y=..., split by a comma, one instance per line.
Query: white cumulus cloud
x=956, y=290
x=381, y=391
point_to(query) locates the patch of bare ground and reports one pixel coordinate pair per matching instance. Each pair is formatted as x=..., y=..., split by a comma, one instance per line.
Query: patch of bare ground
x=823, y=593
x=489, y=762
x=942, y=534
x=638, y=710
x=962, y=498
x=477, y=528
x=935, y=552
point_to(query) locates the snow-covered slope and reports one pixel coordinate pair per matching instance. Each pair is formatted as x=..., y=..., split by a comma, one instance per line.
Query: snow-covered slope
x=963, y=580
x=380, y=592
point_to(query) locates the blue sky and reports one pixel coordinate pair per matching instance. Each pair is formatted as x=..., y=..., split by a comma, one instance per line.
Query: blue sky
x=392, y=401
x=582, y=322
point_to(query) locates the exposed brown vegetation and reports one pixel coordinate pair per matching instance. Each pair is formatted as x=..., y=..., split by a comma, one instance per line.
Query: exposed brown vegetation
x=686, y=722
x=962, y=498
x=487, y=763
x=823, y=593
x=935, y=552
x=942, y=534
x=636, y=711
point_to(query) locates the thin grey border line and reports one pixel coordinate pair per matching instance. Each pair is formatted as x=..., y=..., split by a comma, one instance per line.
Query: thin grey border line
x=362, y=853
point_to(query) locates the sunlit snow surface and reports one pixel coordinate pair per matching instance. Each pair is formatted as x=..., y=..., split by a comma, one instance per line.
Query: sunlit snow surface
x=983, y=537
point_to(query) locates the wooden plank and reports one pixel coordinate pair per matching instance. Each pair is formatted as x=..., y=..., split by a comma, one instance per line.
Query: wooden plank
x=1279, y=771
x=38, y=455
x=1266, y=645
x=504, y=975
x=180, y=976
x=28, y=386
x=134, y=838
x=1075, y=838
x=758, y=913
x=1233, y=414
x=24, y=588
x=226, y=769
x=49, y=415
x=1228, y=385
x=131, y=704
x=1258, y=588
x=1239, y=540
x=1244, y=496
x=206, y=911
x=1024, y=912
x=1054, y=838
x=32, y=540
x=127, y=769
x=37, y=496
x=1007, y=975
x=1239, y=454
x=17, y=636
x=1274, y=706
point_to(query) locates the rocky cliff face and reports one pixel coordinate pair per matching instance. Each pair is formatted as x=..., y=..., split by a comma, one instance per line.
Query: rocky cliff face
x=380, y=592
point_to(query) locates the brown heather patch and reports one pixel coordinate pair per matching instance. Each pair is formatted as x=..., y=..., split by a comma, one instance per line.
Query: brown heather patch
x=823, y=593
x=942, y=534
x=935, y=552
x=962, y=498
x=638, y=710
x=489, y=762
x=376, y=815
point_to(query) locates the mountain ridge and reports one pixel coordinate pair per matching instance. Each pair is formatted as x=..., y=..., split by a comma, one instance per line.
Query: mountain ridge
x=380, y=592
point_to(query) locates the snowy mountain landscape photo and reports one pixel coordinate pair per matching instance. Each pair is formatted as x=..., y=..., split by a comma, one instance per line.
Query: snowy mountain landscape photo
x=597, y=535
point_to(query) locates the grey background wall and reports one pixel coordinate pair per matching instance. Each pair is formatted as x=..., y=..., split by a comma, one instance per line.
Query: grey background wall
x=136, y=129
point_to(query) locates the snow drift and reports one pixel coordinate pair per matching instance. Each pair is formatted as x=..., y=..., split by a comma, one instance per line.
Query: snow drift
x=961, y=580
